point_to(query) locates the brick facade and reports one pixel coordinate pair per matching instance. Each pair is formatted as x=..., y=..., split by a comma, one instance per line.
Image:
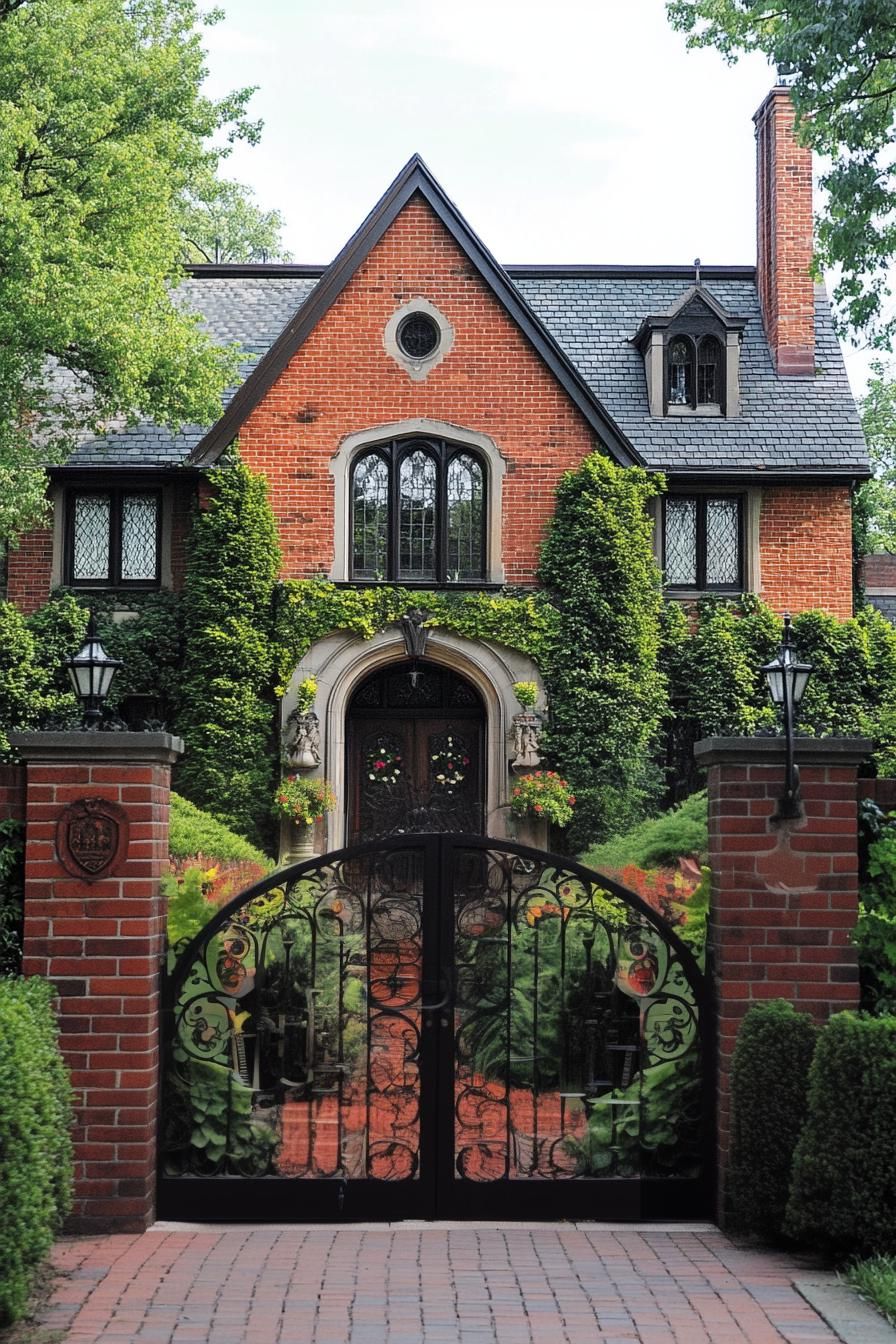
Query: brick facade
x=30, y=570
x=784, y=236
x=805, y=548
x=342, y=380
x=784, y=894
x=101, y=945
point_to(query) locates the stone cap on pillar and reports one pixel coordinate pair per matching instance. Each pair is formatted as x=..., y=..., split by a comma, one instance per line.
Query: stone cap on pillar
x=808, y=751
x=98, y=747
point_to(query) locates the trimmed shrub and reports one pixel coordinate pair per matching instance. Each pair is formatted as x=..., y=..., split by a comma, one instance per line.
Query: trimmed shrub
x=769, y=1079
x=35, y=1144
x=681, y=833
x=196, y=835
x=875, y=932
x=843, y=1191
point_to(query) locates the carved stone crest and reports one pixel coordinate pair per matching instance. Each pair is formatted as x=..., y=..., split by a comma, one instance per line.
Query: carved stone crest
x=92, y=838
x=526, y=753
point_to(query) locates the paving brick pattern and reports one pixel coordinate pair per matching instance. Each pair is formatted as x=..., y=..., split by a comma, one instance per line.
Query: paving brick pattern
x=436, y=1283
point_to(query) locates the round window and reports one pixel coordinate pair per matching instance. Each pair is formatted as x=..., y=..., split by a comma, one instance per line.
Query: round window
x=418, y=336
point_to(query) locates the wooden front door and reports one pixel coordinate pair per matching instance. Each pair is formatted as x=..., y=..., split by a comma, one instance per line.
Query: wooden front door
x=415, y=754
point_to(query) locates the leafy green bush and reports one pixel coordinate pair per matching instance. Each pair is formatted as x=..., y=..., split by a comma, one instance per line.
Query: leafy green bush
x=31, y=652
x=843, y=1189
x=35, y=1144
x=715, y=681
x=12, y=859
x=875, y=932
x=659, y=842
x=195, y=834
x=607, y=694
x=769, y=1078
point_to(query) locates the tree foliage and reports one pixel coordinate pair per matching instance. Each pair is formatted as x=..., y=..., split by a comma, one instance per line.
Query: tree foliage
x=103, y=129
x=841, y=57
x=219, y=221
x=876, y=499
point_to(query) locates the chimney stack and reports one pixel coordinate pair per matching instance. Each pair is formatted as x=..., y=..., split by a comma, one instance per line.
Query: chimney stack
x=784, y=236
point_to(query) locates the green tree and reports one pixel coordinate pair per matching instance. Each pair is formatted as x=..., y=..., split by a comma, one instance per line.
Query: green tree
x=103, y=130
x=841, y=57
x=219, y=221
x=877, y=497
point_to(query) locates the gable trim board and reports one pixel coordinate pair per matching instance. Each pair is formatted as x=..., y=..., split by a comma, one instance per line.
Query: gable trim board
x=415, y=179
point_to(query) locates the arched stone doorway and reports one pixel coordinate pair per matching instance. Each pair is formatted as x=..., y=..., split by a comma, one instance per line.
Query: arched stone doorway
x=415, y=752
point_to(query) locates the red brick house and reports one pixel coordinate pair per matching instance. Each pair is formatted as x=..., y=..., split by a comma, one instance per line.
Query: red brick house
x=414, y=404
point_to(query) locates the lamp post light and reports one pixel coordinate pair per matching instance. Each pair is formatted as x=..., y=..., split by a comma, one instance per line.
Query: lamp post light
x=91, y=671
x=787, y=678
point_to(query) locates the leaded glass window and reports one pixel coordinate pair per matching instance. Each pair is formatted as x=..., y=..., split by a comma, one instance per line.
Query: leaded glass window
x=370, y=518
x=92, y=538
x=139, y=537
x=417, y=517
x=418, y=513
x=702, y=542
x=464, y=515
x=113, y=538
x=709, y=372
x=681, y=542
x=722, y=543
x=681, y=373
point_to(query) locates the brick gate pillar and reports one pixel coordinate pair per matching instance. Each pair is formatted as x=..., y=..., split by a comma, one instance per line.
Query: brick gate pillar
x=784, y=894
x=96, y=846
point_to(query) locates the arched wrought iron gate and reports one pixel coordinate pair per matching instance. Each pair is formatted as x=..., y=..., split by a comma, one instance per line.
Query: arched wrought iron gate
x=435, y=1026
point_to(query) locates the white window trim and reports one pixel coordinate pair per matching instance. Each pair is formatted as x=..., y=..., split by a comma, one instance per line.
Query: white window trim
x=355, y=445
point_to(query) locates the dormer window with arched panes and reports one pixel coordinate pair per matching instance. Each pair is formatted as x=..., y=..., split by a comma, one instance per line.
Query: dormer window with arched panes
x=418, y=513
x=695, y=372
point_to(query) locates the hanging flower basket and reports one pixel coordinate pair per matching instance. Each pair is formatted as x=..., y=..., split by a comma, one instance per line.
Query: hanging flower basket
x=303, y=800
x=544, y=796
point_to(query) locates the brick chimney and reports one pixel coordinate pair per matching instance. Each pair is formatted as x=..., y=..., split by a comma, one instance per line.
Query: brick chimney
x=784, y=236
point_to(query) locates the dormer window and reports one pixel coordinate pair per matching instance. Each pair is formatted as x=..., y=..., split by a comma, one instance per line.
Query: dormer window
x=692, y=357
x=687, y=354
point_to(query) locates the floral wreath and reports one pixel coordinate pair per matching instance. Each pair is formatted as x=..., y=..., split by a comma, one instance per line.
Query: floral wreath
x=384, y=767
x=448, y=764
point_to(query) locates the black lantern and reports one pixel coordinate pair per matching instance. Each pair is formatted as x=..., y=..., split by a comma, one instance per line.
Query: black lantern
x=91, y=671
x=787, y=679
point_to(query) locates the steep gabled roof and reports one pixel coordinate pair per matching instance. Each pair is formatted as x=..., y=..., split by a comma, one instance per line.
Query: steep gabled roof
x=414, y=179
x=695, y=300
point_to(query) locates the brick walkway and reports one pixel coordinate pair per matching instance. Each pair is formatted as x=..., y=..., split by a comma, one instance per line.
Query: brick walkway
x=442, y=1284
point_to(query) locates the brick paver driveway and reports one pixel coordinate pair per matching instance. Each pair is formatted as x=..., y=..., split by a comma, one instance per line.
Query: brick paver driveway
x=439, y=1283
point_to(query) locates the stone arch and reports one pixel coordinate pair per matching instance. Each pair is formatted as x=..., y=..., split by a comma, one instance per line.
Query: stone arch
x=341, y=661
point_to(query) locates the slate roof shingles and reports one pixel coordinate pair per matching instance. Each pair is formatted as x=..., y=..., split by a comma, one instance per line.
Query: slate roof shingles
x=794, y=425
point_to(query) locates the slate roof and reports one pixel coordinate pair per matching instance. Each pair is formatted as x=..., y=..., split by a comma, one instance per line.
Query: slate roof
x=251, y=310
x=787, y=426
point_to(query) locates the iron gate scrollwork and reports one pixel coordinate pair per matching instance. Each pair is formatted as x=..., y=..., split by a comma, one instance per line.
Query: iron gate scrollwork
x=435, y=1024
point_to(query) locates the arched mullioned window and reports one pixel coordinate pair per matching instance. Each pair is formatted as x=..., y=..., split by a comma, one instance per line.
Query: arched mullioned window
x=695, y=371
x=418, y=513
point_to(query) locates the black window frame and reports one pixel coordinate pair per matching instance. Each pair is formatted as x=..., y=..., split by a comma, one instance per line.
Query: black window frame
x=116, y=495
x=394, y=452
x=702, y=498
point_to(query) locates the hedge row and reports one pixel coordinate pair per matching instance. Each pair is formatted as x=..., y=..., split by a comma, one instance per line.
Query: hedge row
x=812, y=1143
x=35, y=1140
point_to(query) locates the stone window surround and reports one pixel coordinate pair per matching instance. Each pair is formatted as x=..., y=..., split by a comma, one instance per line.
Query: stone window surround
x=418, y=369
x=60, y=493
x=340, y=662
x=752, y=502
x=356, y=444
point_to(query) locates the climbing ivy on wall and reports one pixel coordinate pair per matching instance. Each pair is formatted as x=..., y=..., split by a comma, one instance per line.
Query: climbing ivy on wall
x=226, y=710
x=606, y=690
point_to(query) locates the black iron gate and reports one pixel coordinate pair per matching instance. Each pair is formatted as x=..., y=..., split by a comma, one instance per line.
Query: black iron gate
x=435, y=1026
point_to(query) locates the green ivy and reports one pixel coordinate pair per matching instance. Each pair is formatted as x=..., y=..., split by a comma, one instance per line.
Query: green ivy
x=606, y=690
x=226, y=712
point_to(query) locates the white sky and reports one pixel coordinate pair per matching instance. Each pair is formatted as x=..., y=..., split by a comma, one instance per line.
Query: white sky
x=564, y=130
